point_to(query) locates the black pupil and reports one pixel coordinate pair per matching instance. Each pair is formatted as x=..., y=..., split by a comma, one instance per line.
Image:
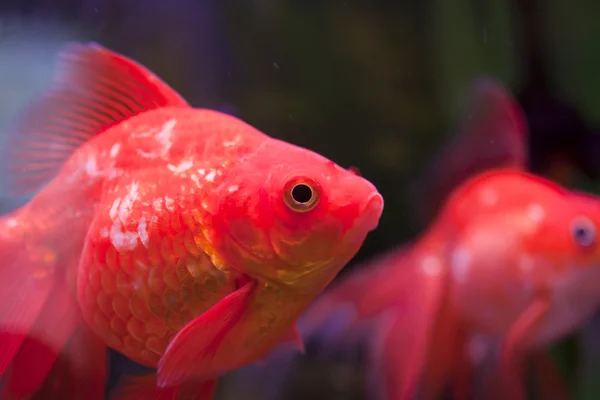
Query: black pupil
x=302, y=193
x=583, y=235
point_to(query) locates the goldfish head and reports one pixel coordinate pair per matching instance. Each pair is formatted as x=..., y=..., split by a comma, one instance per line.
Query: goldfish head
x=293, y=217
x=519, y=239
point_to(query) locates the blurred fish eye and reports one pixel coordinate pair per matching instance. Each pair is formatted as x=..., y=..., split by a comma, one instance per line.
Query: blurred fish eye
x=583, y=231
x=301, y=196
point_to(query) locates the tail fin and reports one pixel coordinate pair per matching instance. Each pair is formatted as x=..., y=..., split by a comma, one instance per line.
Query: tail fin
x=39, y=316
x=24, y=289
x=80, y=371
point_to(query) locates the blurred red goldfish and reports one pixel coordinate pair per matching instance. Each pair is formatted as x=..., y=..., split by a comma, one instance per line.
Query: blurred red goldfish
x=512, y=260
x=183, y=238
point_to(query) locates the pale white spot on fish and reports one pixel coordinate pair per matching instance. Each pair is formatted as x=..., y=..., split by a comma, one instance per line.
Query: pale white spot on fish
x=210, y=177
x=536, y=212
x=460, y=262
x=11, y=222
x=170, y=204
x=163, y=140
x=114, y=150
x=233, y=142
x=104, y=232
x=114, y=209
x=143, y=232
x=157, y=204
x=114, y=173
x=232, y=188
x=127, y=202
x=488, y=197
x=143, y=131
x=182, y=167
x=164, y=135
x=202, y=171
x=90, y=166
x=122, y=240
x=431, y=265
x=196, y=179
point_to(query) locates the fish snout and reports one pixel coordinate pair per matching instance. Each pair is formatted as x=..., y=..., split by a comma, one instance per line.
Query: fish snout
x=372, y=211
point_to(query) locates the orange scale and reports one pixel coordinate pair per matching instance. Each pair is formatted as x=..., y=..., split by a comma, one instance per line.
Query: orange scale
x=136, y=328
x=118, y=326
x=157, y=306
x=101, y=322
x=104, y=303
x=171, y=279
x=173, y=321
x=155, y=280
x=176, y=223
x=120, y=306
x=124, y=284
x=172, y=299
x=94, y=278
x=157, y=328
x=133, y=345
x=127, y=264
x=108, y=281
x=166, y=250
x=179, y=248
x=149, y=357
x=139, y=308
x=154, y=256
x=156, y=345
x=190, y=244
x=111, y=258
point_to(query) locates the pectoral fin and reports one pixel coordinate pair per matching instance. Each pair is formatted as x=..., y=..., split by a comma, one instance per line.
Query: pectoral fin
x=196, y=352
x=508, y=381
x=403, y=336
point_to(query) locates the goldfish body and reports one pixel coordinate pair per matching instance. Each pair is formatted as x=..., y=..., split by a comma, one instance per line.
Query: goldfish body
x=511, y=260
x=183, y=238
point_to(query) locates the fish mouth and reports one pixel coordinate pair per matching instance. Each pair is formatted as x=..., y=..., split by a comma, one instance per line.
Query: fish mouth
x=372, y=210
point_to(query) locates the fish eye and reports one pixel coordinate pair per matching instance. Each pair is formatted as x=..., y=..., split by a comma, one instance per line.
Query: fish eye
x=301, y=196
x=584, y=232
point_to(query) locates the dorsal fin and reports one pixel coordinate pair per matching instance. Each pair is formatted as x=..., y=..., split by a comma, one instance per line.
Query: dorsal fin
x=492, y=133
x=93, y=89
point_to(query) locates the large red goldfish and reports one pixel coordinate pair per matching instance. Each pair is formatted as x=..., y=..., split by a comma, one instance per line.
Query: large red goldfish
x=510, y=265
x=183, y=238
